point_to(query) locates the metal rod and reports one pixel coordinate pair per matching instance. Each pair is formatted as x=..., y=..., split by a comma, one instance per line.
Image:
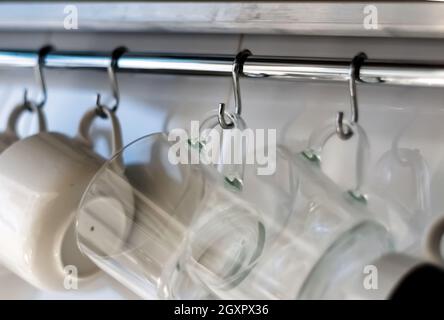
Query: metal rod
x=418, y=73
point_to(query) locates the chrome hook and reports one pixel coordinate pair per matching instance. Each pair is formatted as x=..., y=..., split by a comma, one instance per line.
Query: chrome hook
x=343, y=130
x=236, y=72
x=115, y=56
x=43, y=52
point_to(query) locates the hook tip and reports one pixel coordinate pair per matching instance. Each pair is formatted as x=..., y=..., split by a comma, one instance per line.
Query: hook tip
x=221, y=117
x=343, y=130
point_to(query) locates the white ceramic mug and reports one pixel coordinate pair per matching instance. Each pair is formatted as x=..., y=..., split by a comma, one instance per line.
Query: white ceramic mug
x=10, y=134
x=434, y=243
x=42, y=179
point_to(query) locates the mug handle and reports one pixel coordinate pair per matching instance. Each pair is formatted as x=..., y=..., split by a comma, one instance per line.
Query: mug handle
x=84, y=137
x=16, y=113
x=233, y=173
x=421, y=170
x=433, y=241
x=317, y=142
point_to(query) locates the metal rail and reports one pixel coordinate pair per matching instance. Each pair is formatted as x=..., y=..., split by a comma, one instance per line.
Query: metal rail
x=417, y=73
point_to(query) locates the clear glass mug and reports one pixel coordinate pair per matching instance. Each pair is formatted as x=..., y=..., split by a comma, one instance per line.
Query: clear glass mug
x=252, y=197
x=327, y=226
x=341, y=228
x=133, y=214
x=356, y=246
x=382, y=205
x=143, y=217
x=324, y=223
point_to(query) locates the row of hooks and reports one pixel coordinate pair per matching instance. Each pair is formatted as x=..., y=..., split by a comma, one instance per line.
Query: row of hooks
x=343, y=130
x=111, y=70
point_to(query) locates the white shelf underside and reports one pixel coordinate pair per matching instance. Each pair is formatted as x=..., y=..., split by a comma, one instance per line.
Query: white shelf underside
x=301, y=18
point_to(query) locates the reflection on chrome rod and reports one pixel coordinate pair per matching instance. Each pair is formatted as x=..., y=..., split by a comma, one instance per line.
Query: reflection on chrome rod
x=416, y=73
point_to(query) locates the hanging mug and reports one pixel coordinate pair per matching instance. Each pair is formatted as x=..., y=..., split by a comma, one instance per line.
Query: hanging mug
x=42, y=179
x=381, y=206
x=246, y=205
x=10, y=135
x=136, y=239
x=317, y=216
x=279, y=270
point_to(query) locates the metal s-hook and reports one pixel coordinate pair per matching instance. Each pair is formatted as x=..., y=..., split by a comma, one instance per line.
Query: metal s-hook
x=343, y=130
x=115, y=56
x=236, y=72
x=43, y=52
